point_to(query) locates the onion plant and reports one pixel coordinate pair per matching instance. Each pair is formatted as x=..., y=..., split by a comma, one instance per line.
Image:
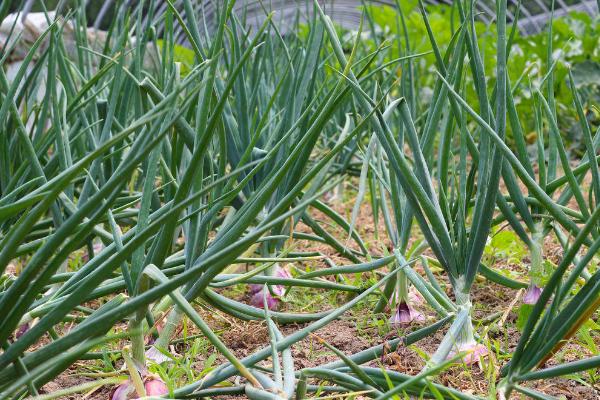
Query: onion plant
x=269, y=139
x=555, y=318
x=398, y=224
x=535, y=225
x=442, y=217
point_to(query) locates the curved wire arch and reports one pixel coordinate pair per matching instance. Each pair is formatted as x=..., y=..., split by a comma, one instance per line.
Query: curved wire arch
x=534, y=13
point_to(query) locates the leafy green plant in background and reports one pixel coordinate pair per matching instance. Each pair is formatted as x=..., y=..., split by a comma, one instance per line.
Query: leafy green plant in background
x=577, y=40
